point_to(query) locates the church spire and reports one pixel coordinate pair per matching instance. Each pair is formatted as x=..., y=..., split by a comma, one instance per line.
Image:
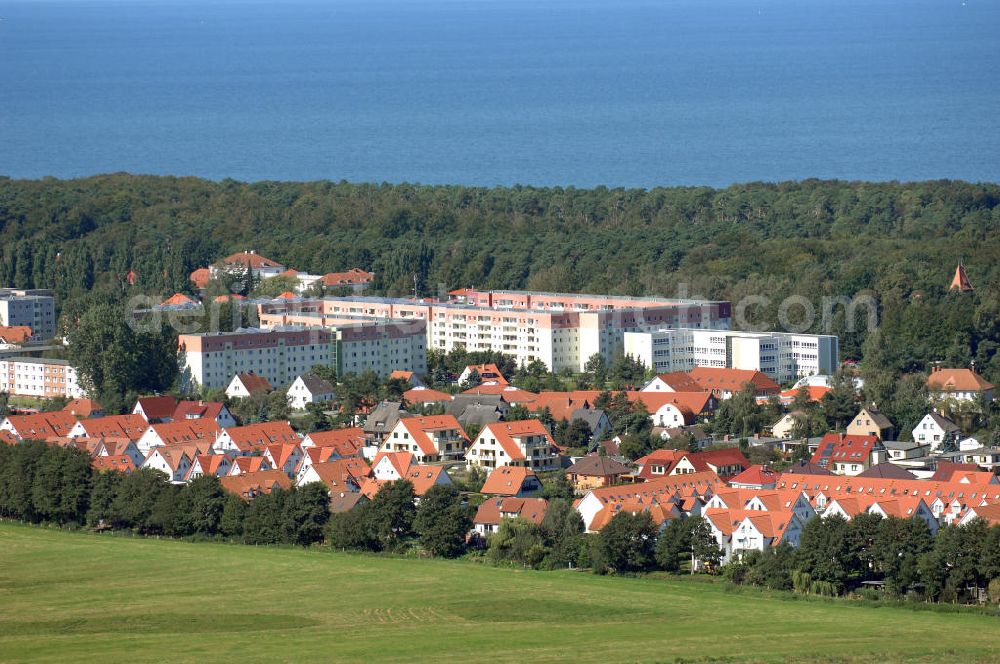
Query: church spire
x=961, y=281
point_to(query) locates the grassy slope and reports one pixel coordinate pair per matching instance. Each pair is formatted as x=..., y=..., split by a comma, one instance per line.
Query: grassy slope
x=74, y=597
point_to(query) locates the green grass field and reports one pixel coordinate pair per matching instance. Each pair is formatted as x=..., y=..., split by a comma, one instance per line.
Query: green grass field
x=71, y=597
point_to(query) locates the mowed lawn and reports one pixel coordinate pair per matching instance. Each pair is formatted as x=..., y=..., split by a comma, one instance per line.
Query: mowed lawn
x=72, y=597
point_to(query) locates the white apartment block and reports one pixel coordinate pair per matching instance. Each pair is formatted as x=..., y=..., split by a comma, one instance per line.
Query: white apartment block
x=561, y=330
x=39, y=377
x=783, y=356
x=282, y=353
x=34, y=308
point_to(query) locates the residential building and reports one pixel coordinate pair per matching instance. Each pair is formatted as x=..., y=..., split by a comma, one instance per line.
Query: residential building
x=664, y=498
x=259, y=266
x=783, y=356
x=346, y=442
x=724, y=383
x=948, y=499
x=208, y=410
x=252, y=484
x=524, y=443
x=595, y=471
x=39, y=377
x=40, y=426
x=245, y=385
x=355, y=279
x=203, y=431
x=124, y=427
x=725, y=462
x=155, y=409
x=958, y=384
x=488, y=374
x=357, y=342
x=561, y=330
x=35, y=308
x=217, y=465
x=173, y=463
x=339, y=475
x=430, y=438
x=787, y=425
x=14, y=335
x=937, y=431
x=492, y=511
x=383, y=419
x=211, y=360
x=307, y=389
x=246, y=440
x=515, y=481
x=871, y=422
x=755, y=477
x=849, y=454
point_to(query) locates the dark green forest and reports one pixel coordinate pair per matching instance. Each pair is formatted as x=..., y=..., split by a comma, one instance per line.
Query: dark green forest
x=899, y=242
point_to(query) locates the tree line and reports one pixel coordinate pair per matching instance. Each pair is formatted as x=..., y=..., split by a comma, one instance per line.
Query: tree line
x=126, y=234
x=50, y=484
x=881, y=557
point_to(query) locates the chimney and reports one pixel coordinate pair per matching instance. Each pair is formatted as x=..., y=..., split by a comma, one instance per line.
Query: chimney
x=841, y=436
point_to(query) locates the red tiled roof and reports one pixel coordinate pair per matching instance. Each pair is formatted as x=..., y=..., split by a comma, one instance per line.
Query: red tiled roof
x=157, y=408
x=119, y=462
x=419, y=427
x=14, y=334
x=83, y=407
x=193, y=410
x=187, y=431
x=254, y=383
x=253, y=259
x=957, y=380
x=532, y=509
x=42, y=426
x=680, y=382
x=506, y=432
x=732, y=380
x=834, y=448
x=260, y=435
x=815, y=392
x=176, y=299
x=488, y=373
x=425, y=395
x=354, y=276
x=252, y=484
x=506, y=480
x=129, y=427
x=343, y=474
x=508, y=393
x=345, y=442
x=756, y=475
x=201, y=277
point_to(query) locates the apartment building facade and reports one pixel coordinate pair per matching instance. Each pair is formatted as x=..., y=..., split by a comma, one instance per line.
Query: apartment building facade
x=782, y=356
x=39, y=377
x=33, y=308
x=558, y=329
x=281, y=353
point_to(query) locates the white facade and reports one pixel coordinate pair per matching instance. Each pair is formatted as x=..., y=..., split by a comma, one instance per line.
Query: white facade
x=558, y=329
x=299, y=395
x=783, y=356
x=34, y=308
x=39, y=377
x=174, y=465
x=929, y=431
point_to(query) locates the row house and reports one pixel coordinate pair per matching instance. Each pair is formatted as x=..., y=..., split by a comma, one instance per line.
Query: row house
x=254, y=437
x=665, y=497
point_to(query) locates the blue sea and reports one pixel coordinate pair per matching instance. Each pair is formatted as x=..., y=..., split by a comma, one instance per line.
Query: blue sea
x=484, y=92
